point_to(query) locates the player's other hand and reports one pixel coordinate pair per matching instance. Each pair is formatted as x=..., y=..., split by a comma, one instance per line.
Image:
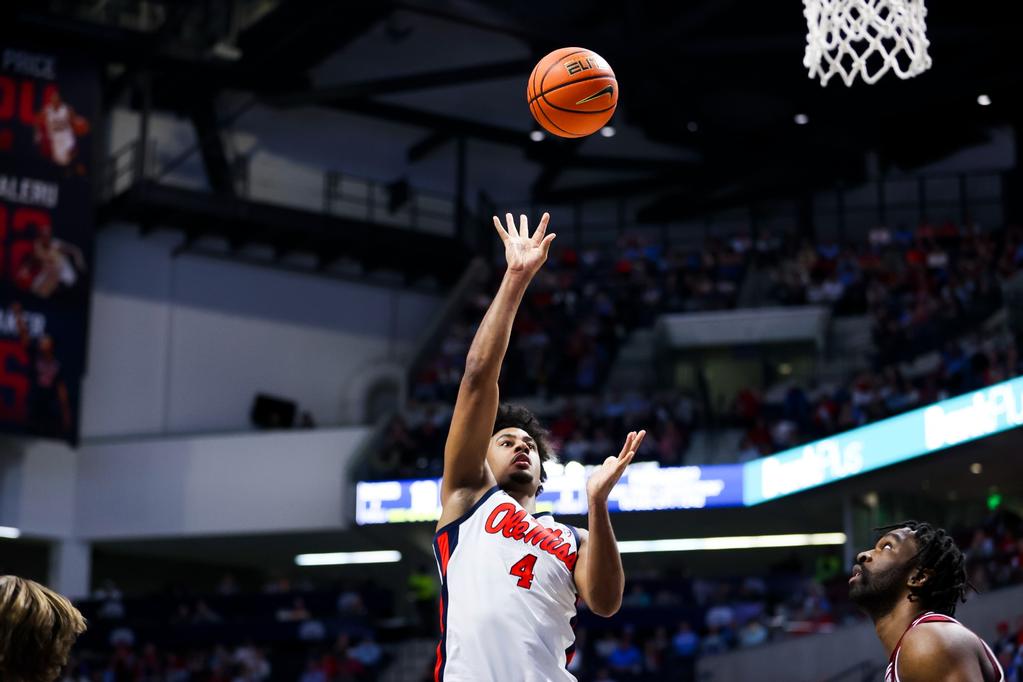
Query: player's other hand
x=604, y=477
x=525, y=254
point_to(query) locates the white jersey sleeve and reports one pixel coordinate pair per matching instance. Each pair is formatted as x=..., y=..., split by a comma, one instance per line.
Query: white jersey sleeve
x=508, y=594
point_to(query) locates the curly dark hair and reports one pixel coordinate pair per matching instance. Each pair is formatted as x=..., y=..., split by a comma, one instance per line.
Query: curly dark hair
x=938, y=553
x=516, y=416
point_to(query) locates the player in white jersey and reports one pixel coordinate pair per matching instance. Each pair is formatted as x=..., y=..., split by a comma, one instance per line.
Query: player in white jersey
x=510, y=576
x=57, y=128
x=909, y=583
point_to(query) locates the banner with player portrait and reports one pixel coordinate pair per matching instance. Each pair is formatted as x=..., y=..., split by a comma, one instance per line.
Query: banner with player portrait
x=49, y=104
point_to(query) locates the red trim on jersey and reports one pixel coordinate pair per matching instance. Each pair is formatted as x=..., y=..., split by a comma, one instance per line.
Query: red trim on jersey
x=440, y=645
x=442, y=546
x=892, y=672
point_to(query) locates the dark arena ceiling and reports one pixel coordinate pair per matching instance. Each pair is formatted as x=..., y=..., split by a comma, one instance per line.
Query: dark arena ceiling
x=712, y=85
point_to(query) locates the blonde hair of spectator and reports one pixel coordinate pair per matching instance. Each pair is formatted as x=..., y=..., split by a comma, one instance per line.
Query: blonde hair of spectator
x=37, y=630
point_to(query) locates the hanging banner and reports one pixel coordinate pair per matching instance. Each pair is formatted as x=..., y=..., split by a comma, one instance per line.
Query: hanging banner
x=49, y=107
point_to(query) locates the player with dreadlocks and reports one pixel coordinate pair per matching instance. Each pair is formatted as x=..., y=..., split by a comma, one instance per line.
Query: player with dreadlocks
x=909, y=583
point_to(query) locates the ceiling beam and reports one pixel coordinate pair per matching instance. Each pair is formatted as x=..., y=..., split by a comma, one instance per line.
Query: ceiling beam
x=614, y=188
x=420, y=81
x=426, y=146
x=544, y=153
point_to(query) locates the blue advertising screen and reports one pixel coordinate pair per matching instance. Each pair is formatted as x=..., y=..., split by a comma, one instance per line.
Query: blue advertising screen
x=646, y=486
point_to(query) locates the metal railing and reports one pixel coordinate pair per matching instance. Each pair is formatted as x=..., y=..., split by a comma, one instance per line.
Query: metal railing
x=334, y=193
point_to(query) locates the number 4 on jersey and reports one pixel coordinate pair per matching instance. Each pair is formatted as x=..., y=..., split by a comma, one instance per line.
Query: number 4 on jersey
x=523, y=570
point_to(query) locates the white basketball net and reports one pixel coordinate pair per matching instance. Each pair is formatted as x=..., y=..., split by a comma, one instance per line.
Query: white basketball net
x=865, y=38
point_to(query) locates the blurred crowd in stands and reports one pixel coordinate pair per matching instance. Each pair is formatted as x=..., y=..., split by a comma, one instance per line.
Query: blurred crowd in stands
x=927, y=295
x=349, y=633
x=296, y=632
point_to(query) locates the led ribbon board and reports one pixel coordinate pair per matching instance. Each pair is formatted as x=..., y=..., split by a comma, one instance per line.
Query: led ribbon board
x=649, y=487
x=645, y=486
x=896, y=439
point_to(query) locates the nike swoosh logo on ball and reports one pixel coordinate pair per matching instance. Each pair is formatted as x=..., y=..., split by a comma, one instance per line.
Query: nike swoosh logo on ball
x=606, y=90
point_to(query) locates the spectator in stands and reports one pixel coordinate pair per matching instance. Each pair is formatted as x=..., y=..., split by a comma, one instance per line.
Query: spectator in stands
x=296, y=613
x=685, y=646
x=753, y=633
x=625, y=658
x=367, y=652
x=348, y=667
x=37, y=629
x=314, y=671
x=204, y=614
x=350, y=602
x=714, y=642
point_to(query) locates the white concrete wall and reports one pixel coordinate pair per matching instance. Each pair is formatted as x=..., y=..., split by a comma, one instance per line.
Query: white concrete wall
x=37, y=487
x=181, y=345
x=244, y=483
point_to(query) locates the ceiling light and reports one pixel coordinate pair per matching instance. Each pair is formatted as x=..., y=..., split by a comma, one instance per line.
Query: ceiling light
x=983, y=100
x=730, y=542
x=347, y=558
x=692, y=126
x=536, y=135
x=801, y=119
x=8, y=532
x=976, y=468
x=607, y=131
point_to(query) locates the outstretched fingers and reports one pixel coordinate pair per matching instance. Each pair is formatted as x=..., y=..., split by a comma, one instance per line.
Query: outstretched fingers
x=632, y=443
x=500, y=229
x=541, y=229
x=523, y=226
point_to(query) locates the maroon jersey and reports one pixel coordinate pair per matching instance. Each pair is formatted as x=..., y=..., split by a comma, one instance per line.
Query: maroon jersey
x=891, y=673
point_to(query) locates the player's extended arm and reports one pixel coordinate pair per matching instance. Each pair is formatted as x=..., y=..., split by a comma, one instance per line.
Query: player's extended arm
x=476, y=406
x=75, y=254
x=599, y=575
x=939, y=652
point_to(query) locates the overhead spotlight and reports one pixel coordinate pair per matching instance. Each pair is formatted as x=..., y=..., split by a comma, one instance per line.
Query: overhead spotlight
x=983, y=100
x=976, y=468
x=347, y=558
x=607, y=131
x=536, y=136
x=8, y=532
x=692, y=126
x=801, y=119
x=226, y=50
x=730, y=542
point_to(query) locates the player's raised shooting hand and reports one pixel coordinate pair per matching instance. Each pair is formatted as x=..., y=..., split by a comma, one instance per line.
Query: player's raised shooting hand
x=525, y=254
x=604, y=478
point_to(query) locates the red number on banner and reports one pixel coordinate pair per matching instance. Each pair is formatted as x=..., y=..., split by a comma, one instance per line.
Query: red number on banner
x=7, y=97
x=21, y=224
x=26, y=224
x=13, y=386
x=523, y=569
x=3, y=238
x=24, y=97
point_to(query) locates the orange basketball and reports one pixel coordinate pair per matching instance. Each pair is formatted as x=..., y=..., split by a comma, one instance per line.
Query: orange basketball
x=572, y=92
